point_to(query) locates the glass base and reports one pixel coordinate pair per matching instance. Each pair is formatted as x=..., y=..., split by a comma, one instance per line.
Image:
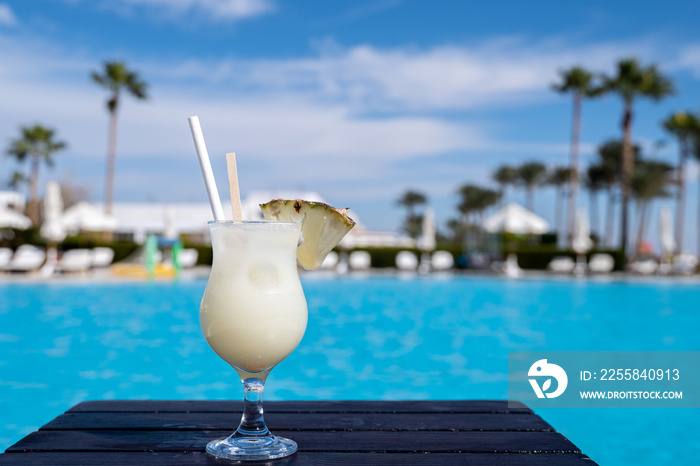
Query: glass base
x=252, y=448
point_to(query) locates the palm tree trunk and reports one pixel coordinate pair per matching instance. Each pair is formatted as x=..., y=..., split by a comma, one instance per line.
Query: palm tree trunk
x=530, y=199
x=642, y=209
x=573, y=179
x=595, y=218
x=609, y=219
x=480, y=216
x=557, y=208
x=680, y=195
x=33, y=207
x=627, y=167
x=111, y=158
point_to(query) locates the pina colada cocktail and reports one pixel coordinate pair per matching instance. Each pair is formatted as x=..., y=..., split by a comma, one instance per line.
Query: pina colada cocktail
x=253, y=313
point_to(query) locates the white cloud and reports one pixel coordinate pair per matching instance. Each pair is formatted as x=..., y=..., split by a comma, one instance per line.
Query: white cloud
x=341, y=121
x=502, y=72
x=690, y=59
x=7, y=17
x=224, y=10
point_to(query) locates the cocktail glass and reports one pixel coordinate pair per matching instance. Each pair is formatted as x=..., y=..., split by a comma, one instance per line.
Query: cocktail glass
x=253, y=314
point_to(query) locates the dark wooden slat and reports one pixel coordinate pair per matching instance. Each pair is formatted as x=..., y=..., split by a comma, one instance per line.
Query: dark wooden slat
x=363, y=441
x=301, y=421
x=310, y=459
x=330, y=406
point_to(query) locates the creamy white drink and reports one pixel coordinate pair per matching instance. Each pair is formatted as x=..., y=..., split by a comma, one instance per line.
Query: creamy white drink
x=253, y=312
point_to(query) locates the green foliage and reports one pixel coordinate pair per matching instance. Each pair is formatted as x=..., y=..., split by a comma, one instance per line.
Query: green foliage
x=531, y=174
x=505, y=175
x=634, y=80
x=559, y=176
x=122, y=249
x=410, y=199
x=205, y=253
x=16, y=180
x=35, y=142
x=116, y=77
x=539, y=259
x=12, y=238
x=474, y=198
x=651, y=179
x=596, y=177
x=682, y=125
x=383, y=258
x=578, y=81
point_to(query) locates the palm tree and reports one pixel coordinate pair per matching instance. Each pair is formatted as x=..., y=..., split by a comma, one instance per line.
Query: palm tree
x=474, y=201
x=505, y=175
x=469, y=202
x=455, y=228
x=594, y=182
x=116, y=78
x=487, y=198
x=531, y=175
x=608, y=173
x=681, y=125
x=649, y=181
x=631, y=82
x=558, y=178
x=16, y=180
x=37, y=144
x=578, y=82
x=410, y=199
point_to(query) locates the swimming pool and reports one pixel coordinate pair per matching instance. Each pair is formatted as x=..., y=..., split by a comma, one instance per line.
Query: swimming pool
x=386, y=337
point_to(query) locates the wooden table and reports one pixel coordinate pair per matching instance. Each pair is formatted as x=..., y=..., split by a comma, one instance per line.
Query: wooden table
x=328, y=433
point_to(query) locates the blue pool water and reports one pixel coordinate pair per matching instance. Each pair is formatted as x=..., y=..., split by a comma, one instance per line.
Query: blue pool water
x=367, y=338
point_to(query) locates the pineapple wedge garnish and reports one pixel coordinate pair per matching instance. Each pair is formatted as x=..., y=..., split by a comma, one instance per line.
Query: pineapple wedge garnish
x=322, y=227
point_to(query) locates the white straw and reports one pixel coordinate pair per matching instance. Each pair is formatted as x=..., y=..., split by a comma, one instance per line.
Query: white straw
x=205, y=165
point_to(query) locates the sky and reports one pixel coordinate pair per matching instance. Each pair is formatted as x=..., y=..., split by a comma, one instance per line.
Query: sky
x=356, y=100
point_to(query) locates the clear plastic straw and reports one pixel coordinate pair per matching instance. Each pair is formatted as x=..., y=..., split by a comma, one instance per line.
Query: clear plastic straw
x=205, y=165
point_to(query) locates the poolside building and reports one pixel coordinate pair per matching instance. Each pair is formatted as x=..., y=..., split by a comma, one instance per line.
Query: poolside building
x=136, y=220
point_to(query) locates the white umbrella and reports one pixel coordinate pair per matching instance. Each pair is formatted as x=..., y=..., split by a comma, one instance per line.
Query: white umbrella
x=668, y=242
x=427, y=240
x=169, y=228
x=514, y=218
x=52, y=229
x=581, y=242
x=87, y=217
x=13, y=219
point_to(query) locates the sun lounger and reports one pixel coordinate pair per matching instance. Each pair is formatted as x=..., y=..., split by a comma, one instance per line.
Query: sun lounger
x=442, y=260
x=644, y=266
x=511, y=267
x=27, y=258
x=601, y=263
x=406, y=260
x=75, y=260
x=685, y=264
x=561, y=264
x=101, y=257
x=330, y=262
x=188, y=258
x=5, y=258
x=359, y=260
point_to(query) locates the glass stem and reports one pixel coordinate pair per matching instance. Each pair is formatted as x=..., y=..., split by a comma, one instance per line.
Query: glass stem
x=253, y=421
